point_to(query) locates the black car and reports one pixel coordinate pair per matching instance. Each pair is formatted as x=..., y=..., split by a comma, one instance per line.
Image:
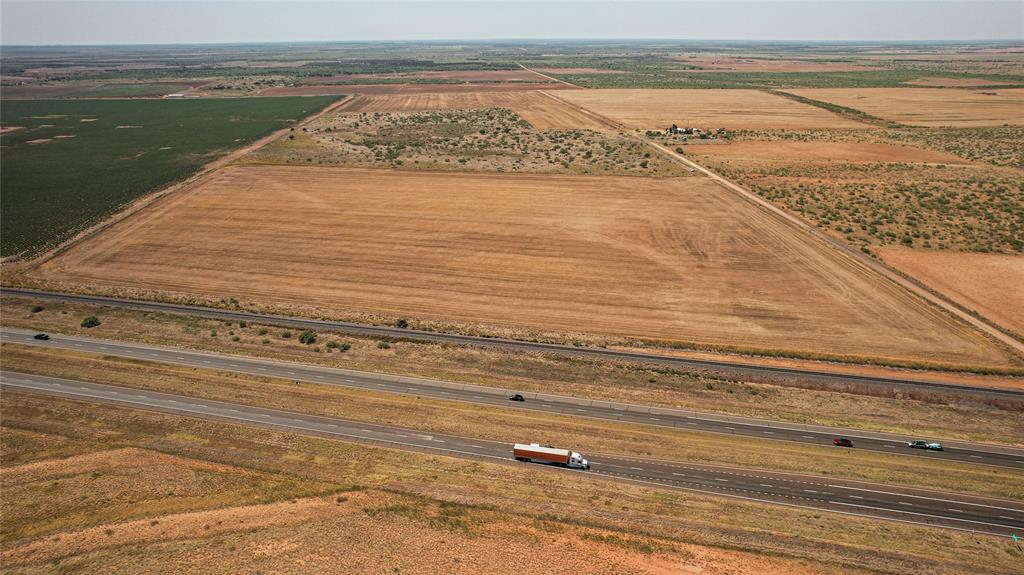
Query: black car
x=41, y=336
x=842, y=442
x=516, y=397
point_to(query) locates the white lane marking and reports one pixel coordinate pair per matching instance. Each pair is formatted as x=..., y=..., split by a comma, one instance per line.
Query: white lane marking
x=905, y=503
x=680, y=474
x=809, y=491
x=808, y=436
x=925, y=497
x=770, y=432
x=889, y=446
x=955, y=510
x=636, y=468
x=766, y=485
x=722, y=480
x=917, y=513
x=976, y=456
x=855, y=497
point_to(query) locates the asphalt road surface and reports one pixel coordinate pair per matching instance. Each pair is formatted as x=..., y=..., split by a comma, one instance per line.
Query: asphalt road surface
x=738, y=370
x=692, y=421
x=977, y=514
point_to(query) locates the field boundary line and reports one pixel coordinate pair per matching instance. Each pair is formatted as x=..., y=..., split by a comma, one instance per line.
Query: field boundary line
x=552, y=78
x=141, y=204
x=864, y=261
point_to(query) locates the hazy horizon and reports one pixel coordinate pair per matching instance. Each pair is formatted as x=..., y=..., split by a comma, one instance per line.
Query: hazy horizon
x=138, y=22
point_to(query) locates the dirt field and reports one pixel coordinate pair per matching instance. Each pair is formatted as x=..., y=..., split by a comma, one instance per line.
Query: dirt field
x=773, y=152
x=929, y=107
x=672, y=259
x=346, y=89
x=540, y=111
x=730, y=109
x=987, y=283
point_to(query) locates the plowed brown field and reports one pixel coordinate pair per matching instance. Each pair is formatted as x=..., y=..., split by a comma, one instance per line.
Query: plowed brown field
x=674, y=259
x=987, y=283
x=540, y=111
x=927, y=106
x=787, y=152
x=730, y=109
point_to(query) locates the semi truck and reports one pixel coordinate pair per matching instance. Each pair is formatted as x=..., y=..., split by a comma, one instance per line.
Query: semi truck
x=535, y=453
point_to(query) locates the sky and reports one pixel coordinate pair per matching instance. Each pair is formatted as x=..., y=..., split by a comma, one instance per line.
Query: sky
x=231, y=21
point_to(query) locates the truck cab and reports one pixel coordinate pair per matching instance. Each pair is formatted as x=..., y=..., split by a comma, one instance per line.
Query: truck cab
x=577, y=461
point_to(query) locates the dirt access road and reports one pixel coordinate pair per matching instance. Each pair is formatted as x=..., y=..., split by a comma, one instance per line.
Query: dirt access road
x=801, y=225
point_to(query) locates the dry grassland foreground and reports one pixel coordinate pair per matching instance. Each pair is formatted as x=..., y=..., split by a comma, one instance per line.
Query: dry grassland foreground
x=877, y=193
x=676, y=259
x=927, y=106
x=317, y=505
x=189, y=514
x=708, y=109
x=989, y=284
x=490, y=139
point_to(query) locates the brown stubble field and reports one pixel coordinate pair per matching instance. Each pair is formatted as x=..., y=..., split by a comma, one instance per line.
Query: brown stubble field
x=656, y=109
x=677, y=260
x=927, y=106
x=989, y=284
x=541, y=111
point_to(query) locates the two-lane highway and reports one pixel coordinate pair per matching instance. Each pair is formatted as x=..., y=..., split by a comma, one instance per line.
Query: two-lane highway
x=578, y=407
x=955, y=511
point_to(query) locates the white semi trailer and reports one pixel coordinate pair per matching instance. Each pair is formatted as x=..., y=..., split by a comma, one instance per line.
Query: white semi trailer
x=535, y=453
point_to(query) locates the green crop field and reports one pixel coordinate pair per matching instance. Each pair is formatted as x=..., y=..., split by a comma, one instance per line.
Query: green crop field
x=73, y=162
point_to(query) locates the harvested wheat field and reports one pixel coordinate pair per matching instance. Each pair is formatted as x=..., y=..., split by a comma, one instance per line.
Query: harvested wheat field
x=345, y=89
x=730, y=109
x=674, y=259
x=929, y=107
x=989, y=284
x=785, y=152
x=541, y=111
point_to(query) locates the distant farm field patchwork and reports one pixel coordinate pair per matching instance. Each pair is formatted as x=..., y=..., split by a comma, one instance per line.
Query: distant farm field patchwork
x=730, y=109
x=75, y=161
x=928, y=106
x=677, y=259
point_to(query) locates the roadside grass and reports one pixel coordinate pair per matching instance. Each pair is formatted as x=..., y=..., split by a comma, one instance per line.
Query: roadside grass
x=484, y=495
x=78, y=161
x=948, y=417
x=500, y=424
